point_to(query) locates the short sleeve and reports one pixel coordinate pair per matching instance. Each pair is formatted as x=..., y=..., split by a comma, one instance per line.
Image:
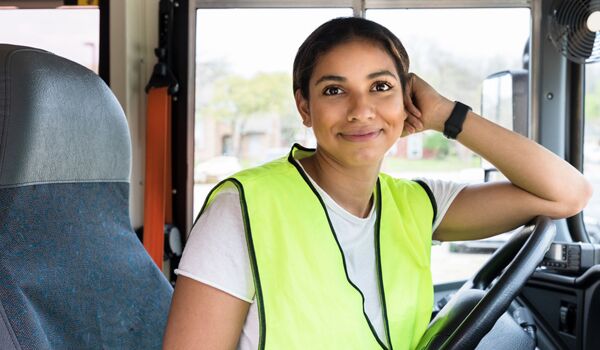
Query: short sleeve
x=216, y=252
x=444, y=193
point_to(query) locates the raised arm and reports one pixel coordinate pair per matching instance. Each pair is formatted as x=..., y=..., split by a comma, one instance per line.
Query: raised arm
x=541, y=183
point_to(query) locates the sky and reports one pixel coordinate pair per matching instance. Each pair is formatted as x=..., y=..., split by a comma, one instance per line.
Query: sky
x=253, y=40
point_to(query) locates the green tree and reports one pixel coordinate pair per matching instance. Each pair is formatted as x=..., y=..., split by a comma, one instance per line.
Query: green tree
x=236, y=99
x=437, y=144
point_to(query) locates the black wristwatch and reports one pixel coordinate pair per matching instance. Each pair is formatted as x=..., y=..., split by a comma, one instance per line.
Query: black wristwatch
x=454, y=123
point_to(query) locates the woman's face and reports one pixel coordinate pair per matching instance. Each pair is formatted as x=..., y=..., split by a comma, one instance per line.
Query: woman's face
x=355, y=104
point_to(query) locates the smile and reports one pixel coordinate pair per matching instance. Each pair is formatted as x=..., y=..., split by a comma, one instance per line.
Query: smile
x=360, y=136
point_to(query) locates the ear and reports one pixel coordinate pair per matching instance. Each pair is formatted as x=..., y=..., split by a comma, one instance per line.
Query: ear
x=302, y=106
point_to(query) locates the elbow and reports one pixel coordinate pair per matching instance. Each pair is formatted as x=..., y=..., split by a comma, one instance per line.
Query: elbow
x=576, y=201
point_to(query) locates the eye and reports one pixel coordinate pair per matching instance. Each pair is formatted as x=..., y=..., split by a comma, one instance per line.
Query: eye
x=332, y=91
x=381, y=86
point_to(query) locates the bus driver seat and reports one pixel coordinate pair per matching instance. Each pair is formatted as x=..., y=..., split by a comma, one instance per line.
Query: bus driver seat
x=73, y=274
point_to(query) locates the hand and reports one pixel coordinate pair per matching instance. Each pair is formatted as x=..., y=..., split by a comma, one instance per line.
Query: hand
x=425, y=108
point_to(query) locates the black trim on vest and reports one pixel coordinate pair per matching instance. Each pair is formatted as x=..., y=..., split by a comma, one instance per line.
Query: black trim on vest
x=310, y=185
x=259, y=296
x=302, y=148
x=252, y=254
x=378, y=257
x=217, y=186
x=431, y=198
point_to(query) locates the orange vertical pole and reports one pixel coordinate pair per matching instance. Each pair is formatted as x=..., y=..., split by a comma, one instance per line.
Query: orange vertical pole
x=157, y=136
x=169, y=173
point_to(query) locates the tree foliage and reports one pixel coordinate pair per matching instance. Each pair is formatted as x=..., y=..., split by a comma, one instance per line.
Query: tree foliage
x=235, y=96
x=437, y=143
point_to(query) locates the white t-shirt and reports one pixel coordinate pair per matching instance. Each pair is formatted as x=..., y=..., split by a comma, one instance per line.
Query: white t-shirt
x=216, y=252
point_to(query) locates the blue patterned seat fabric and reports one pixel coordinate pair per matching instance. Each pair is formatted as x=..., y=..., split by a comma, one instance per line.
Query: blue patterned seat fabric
x=73, y=274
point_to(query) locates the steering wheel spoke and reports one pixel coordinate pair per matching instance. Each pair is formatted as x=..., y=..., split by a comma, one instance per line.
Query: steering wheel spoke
x=480, y=302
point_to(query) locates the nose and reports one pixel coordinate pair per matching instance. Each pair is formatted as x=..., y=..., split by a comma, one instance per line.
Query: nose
x=360, y=109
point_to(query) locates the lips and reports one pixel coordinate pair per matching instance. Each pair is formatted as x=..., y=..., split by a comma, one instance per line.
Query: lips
x=360, y=135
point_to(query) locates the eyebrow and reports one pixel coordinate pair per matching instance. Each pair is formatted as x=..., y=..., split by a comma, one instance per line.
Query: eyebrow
x=330, y=77
x=382, y=73
x=373, y=75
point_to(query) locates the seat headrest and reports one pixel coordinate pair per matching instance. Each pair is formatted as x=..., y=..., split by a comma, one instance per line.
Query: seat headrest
x=59, y=122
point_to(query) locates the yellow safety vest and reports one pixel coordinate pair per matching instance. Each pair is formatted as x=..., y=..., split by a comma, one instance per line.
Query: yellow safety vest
x=305, y=297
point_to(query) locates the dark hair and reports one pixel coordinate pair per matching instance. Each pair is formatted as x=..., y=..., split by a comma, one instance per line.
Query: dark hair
x=338, y=31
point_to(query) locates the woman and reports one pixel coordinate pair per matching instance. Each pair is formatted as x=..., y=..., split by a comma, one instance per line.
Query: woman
x=320, y=250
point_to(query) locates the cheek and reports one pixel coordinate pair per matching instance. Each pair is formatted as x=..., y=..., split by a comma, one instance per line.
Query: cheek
x=395, y=112
x=327, y=112
x=393, y=103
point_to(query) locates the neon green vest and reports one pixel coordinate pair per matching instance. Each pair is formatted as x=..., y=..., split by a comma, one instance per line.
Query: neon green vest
x=305, y=298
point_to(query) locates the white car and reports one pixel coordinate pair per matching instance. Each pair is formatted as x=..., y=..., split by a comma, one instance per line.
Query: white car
x=216, y=169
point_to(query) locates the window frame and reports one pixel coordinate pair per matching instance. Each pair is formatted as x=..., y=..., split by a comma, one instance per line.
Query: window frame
x=571, y=229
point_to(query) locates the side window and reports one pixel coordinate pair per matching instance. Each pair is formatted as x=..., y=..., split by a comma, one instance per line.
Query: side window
x=245, y=110
x=591, y=149
x=455, y=59
x=67, y=32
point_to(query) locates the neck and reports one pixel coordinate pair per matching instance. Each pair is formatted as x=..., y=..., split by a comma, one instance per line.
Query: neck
x=350, y=187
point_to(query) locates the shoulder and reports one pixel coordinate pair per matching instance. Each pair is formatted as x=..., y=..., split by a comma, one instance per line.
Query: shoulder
x=438, y=194
x=268, y=181
x=265, y=171
x=215, y=252
x=441, y=187
x=441, y=193
x=408, y=193
x=404, y=186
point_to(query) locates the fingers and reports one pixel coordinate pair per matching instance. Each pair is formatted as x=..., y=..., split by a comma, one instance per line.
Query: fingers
x=412, y=124
x=425, y=104
x=415, y=122
x=411, y=108
x=409, y=95
x=408, y=130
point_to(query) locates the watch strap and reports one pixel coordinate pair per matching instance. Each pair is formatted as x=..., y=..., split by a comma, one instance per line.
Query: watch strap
x=454, y=123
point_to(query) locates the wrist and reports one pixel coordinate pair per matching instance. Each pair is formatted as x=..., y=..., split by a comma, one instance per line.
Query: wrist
x=454, y=124
x=444, y=110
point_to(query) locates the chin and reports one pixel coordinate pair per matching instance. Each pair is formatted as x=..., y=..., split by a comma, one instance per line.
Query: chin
x=367, y=158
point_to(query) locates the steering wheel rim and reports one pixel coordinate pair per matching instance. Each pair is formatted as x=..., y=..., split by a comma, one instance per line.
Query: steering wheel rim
x=521, y=255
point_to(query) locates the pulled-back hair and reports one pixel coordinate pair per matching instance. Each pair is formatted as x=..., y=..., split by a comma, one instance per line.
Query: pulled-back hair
x=338, y=31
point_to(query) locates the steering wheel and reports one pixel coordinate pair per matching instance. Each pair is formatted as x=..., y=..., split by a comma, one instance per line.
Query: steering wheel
x=473, y=311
